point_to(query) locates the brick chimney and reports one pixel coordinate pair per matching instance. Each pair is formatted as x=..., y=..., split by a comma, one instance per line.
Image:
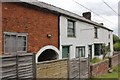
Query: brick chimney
x=87, y=15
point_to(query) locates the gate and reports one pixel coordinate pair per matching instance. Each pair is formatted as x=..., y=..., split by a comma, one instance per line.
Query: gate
x=79, y=68
x=18, y=66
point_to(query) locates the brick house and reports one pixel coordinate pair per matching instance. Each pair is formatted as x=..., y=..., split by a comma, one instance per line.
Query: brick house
x=29, y=28
x=42, y=28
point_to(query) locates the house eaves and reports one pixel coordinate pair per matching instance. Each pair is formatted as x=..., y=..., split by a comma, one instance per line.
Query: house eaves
x=60, y=11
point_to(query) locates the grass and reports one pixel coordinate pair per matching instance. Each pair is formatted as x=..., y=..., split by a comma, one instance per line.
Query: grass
x=114, y=74
x=95, y=60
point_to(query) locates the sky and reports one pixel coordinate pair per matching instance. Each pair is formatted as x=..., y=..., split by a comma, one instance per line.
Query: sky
x=106, y=15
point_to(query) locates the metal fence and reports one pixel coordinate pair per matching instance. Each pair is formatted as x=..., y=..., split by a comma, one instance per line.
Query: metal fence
x=20, y=66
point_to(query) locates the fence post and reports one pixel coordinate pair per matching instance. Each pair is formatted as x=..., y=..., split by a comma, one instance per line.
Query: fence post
x=79, y=66
x=119, y=65
x=1, y=68
x=34, y=66
x=68, y=65
x=17, y=77
x=89, y=73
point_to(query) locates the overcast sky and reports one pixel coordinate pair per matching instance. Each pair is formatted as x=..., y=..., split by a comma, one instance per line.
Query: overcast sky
x=109, y=18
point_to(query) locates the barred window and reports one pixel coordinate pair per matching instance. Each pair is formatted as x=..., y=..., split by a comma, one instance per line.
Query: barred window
x=15, y=42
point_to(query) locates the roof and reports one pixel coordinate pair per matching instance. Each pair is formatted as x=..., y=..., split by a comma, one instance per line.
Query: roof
x=60, y=11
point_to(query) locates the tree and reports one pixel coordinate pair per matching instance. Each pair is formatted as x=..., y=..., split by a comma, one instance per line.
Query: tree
x=117, y=46
x=116, y=39
x=105, y=50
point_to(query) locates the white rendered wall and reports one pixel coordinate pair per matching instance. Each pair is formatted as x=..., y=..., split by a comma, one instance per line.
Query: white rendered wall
x=84, y=36
x=103, y=37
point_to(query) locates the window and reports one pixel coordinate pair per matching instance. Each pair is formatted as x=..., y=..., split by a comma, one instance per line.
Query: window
x=10, y=42
x=98, y=49
x=22, y=43
x=109, y=36
x=109, y=45
x=65, y=51
x=71, y=28
x=96, y=32
x=90, y=51
x=80, y=52
x=15, y=42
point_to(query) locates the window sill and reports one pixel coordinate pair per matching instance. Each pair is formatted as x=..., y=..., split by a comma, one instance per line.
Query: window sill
x=95, y=38
x=71, y=36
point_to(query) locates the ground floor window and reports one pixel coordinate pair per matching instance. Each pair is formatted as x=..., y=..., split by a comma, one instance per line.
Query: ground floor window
x=90, y=51
x=98, y=49
x=65, y=51
x=80, y=51
x=15, y=42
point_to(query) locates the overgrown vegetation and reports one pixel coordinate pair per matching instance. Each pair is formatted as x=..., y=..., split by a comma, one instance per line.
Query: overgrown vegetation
x=105, y=50
x=116, y=42
x=117, y=46
x=95, y=60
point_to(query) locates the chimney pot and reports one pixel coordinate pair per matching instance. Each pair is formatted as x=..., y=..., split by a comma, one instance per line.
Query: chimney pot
x=87, y=15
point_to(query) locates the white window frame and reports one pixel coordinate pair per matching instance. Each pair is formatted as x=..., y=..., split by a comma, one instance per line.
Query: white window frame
x=78, y=55
x=74, y=31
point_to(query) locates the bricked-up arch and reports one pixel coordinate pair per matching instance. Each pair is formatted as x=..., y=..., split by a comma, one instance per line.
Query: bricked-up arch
x=47, y=53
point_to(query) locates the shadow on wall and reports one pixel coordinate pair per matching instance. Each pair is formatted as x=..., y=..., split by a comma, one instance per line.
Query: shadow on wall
x=48, y=54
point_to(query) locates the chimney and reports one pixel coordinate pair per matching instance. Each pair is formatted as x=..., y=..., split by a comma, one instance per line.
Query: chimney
x=87, y=15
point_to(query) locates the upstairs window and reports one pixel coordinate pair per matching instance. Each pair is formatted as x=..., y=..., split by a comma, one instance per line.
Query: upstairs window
x=71, y=28
x=109, y=36
x=96, y=32
x=15, y=42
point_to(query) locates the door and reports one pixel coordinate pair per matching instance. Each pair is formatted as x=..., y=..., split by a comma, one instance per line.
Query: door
x=65, y=51
x=90, y=51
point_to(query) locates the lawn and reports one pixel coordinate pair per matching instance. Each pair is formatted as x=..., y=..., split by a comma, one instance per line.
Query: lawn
x=112, y=76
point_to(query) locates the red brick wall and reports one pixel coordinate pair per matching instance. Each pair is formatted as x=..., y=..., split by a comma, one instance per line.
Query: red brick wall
x=100, y=68
x=0, y=28
x=114, y=60
x=19, y=17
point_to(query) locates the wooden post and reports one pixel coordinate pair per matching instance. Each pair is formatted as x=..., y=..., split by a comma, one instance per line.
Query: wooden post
x=34, y=67
x=68, y=64
x=17, y=76
x=89, y=66
x=79, y=66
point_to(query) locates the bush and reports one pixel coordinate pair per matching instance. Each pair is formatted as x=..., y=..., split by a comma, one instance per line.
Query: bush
x=117, y=46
